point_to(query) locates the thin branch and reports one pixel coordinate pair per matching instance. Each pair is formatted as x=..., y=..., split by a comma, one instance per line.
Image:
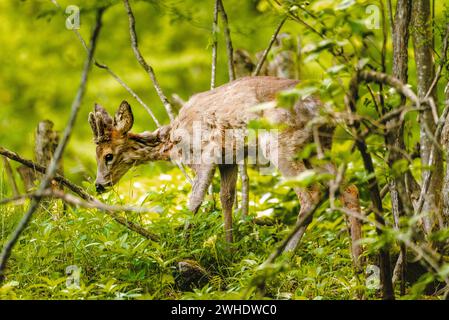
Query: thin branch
x=229, y=49
x=52, y=168
x=143, y=63
x=214, y=45
x=267, y=50
x=401, y=88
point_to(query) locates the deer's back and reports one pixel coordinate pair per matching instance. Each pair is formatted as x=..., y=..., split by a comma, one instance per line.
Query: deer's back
x=231, y=106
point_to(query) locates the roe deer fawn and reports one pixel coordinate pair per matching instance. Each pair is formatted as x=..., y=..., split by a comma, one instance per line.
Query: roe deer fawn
x=222, y=113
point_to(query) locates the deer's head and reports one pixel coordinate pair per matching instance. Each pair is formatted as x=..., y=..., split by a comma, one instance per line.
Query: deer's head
x=117, y=148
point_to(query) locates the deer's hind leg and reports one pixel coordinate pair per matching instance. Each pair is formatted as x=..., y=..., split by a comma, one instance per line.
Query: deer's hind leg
x=308, y=198
x=228, y=173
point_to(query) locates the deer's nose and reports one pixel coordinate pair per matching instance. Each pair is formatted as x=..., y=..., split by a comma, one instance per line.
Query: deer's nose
x=100, y=188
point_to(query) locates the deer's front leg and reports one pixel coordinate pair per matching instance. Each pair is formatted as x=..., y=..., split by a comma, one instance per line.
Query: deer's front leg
x=203, y=178
x=228, y=174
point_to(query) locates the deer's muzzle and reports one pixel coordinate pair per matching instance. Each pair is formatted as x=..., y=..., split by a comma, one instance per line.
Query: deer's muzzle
x=100, y=188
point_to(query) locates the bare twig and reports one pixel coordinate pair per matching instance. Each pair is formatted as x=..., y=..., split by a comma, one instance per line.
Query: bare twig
x=401, y=88
x=52, y=168
x=214, y=45
x=231, y=71
x=143, y=63
x=227, y=32
x=245, y=188
x=267, y=50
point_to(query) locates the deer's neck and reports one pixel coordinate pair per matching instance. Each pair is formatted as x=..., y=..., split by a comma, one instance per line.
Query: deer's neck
x=151, y=146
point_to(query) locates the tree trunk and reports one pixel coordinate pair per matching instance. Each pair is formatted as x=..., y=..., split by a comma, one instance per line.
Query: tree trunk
x=422, y=41
x=45, y=145
x=46, y=141
x=400, y=200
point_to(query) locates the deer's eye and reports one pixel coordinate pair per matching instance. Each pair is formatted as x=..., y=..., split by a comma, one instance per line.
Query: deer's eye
x=108, y=158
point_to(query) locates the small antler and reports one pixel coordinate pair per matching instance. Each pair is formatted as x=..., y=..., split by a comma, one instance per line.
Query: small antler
x=101, y=123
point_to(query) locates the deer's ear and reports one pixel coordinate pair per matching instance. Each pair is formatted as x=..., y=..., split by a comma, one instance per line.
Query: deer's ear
x=124, y=119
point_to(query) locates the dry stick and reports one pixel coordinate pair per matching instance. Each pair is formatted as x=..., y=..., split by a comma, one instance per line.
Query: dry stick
x=384, y=255
x=10, y=174
x=143, y=63
x=227, y=32
x=214, y=45
x=267, y=50
x=401, y=88
x=75, y=189
x=52, y=168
